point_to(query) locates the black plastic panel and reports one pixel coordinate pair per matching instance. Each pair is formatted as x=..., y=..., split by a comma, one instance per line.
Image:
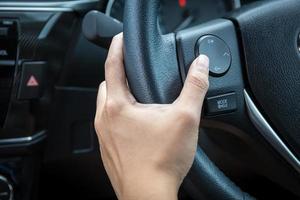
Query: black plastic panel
x=72, y=159
x=269, y=34
x=8, y=54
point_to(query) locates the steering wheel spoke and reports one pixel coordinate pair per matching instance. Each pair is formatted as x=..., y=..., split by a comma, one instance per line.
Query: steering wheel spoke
x=217, y=39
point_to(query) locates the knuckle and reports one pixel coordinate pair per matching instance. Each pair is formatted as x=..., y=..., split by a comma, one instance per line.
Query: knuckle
x=111, y=61
x=108, y=62
x=102, y=84
x=112, y=108
x=187, y=116
x=101, y=89
x=116, y=38
x=199, y=80
x=97, y=122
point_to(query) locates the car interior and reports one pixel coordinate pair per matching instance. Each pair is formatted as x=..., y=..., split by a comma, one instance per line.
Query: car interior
x=52, y=57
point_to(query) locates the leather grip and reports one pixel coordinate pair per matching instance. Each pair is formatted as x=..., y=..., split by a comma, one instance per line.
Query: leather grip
x=150, y=57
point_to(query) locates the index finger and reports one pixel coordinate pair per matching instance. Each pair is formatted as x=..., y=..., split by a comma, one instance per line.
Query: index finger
x=114, y=69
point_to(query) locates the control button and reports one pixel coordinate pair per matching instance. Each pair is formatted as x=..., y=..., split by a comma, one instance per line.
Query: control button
x=31, y=80
x=218, y=52
x=6, y=189
x=221, y=104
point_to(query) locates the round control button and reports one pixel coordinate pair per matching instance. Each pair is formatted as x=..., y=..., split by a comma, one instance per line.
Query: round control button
x=218, y=52
x=6, y=190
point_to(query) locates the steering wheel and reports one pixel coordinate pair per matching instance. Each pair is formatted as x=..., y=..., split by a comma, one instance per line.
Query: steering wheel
x=254, y=77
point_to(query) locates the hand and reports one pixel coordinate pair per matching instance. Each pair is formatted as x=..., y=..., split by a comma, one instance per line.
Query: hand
x=147, y=150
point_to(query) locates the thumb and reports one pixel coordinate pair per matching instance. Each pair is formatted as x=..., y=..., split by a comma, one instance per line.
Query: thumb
x=196, y=85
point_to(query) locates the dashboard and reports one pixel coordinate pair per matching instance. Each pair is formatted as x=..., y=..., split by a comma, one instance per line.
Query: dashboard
x=175, y=15
x=48, y=147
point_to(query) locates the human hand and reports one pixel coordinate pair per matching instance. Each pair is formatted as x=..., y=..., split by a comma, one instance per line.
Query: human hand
x=147, y=150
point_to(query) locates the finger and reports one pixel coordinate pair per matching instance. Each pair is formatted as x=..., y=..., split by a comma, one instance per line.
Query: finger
x=101, y=98
x=196, y=85
x=114, y=69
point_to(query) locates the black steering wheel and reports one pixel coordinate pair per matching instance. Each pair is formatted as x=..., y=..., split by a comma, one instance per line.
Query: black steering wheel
x=254, y=76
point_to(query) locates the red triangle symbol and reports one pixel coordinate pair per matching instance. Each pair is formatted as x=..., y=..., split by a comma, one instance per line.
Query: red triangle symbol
x=32, y=82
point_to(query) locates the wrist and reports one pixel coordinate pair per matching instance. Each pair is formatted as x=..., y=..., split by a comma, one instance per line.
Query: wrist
x=150, y=187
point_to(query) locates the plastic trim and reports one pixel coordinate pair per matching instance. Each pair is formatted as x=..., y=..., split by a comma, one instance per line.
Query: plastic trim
x=23, y=140
x=269, y=134
x=236, y=4
x=11, y=195
x=59, y=6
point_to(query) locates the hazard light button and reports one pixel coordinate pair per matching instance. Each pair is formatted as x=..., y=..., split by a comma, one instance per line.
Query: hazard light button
x=31, y=83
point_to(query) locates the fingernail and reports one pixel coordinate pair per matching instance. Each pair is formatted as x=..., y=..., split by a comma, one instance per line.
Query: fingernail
x=203, y=61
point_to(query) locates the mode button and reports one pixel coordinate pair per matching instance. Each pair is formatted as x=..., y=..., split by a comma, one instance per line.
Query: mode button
x=221, y=104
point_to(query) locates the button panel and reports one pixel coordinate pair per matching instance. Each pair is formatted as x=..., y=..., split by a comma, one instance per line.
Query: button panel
x=218, y=53
x=221, y=104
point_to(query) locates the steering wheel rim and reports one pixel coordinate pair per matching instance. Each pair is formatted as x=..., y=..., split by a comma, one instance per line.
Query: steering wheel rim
x=156, y=64
x=163, y=72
